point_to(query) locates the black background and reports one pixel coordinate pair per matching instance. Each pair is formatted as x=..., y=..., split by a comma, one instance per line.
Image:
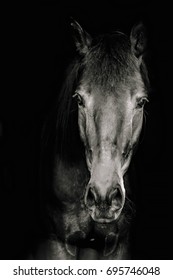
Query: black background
x=37, y=49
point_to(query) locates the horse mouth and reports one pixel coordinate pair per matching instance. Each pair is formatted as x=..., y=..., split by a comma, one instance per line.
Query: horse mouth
x=104, y=217
x=103, y=221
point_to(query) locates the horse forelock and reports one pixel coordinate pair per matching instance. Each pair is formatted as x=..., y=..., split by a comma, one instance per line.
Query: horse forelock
x=110, y=61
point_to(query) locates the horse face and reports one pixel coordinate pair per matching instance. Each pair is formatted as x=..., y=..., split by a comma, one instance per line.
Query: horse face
x=110, y=97
x=110, y=125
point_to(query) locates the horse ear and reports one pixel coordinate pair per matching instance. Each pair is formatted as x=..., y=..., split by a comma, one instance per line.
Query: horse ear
x=138, y=39
x=82, y=38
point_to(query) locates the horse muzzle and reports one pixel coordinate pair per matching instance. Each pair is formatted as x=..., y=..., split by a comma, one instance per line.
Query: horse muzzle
x=104, y=207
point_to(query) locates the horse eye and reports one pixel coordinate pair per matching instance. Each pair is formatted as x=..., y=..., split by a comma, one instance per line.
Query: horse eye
x=141, y=102
x=79, y=98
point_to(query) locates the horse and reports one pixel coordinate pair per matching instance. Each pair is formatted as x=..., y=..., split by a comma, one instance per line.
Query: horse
x=86, y=195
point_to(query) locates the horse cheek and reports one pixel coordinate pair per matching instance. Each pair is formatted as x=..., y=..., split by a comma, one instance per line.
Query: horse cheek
x=82, y=126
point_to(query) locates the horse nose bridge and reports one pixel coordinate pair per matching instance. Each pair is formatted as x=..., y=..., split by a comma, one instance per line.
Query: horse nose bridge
x=105, y=171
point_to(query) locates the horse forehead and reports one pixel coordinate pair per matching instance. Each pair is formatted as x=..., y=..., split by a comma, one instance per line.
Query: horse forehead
x=111, y=102
x=110, y=97
x=110, y=75
x=113, y=89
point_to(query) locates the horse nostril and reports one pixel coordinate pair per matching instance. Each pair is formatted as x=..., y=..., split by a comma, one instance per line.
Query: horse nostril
x=115, y=198
x=90, y=198
x=116, y=194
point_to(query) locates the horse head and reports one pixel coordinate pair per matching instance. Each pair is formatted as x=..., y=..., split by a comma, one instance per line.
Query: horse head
x=111, y=94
